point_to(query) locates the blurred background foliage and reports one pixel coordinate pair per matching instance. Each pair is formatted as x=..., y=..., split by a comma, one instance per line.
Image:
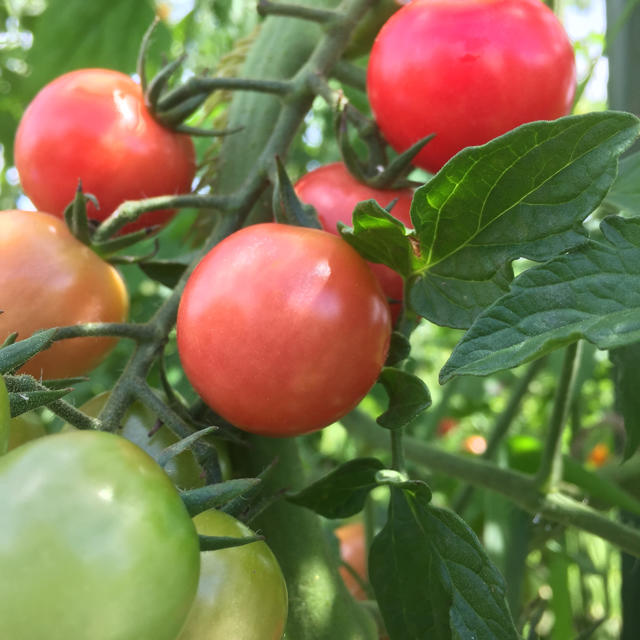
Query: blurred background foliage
x=567, y=584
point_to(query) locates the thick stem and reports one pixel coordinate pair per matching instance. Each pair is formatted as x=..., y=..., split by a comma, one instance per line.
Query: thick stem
x=319, y=603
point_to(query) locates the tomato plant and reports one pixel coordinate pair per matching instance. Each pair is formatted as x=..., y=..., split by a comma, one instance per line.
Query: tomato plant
x=467, y=71
x=50, y=279
x=242, y=592
x=334, y=193
x=95, y=542
x=140, y=426
x=353, y=551
x=282, y=330
x=91, y=125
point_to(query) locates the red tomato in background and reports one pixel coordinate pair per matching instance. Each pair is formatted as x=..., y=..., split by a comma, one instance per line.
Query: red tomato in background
x=92, y=125
x=48, y=279
x=282, y=330
x=334, y=193
x=468, y=71
x=353, y=551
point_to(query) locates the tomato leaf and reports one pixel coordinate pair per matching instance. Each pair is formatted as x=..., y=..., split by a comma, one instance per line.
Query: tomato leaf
x=15, y=355
x=215, y=495
x=590, y=293
x=408, y=397
x=166, y=272
x=522, y=195
x=433, y=579
x=627, y=382
x=341, y=493
x=624, y=194
x=399, y=348
x=379, y=237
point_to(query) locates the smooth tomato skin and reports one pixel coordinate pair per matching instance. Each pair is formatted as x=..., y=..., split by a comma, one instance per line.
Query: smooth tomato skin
x=242, y=594
x=136, y=426
x=334, y=193
x=24, y=428
x=468, y=71
x=282, y=330
x=92, y=125
x=50, y=279
x=95, y=542
x=353, y=551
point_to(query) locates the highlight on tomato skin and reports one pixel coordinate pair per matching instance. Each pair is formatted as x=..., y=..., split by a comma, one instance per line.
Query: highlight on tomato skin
x=92, y=126
x=282, y=330
x=467, y=71
x=242, y=592
x=42, y=262
x=334, y=193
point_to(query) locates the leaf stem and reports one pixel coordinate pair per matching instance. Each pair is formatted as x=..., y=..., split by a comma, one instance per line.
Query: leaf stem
x=322, y=16
x=502, y=424
x=550, y=471
x=517, y=487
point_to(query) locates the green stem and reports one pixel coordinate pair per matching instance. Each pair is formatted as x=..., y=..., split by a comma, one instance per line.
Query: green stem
x=502, y=424
x=550, y=471
x=322, y=16
x=397, y=449
x=138, y=332
x=517, y=487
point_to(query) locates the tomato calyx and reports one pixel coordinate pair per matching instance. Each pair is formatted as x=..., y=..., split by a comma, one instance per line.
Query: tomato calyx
x=376, y=172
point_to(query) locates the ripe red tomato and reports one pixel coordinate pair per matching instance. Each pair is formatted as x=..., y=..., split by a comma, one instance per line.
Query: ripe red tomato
x=92, y=125
x=353, y=551
x=468, y=71
x=95, y=542
x=50, y=279
x=334, y=193
x=242, y=594
x=282, y=330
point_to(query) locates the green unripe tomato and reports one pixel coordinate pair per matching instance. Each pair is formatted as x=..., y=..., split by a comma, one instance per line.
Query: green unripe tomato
x=95, y=542
x=242, y=594
x=136, y=426
x=5, y=416
x=25, y=427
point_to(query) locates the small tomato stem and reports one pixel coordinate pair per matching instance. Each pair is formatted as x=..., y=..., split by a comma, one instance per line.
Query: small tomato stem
x=550, y=470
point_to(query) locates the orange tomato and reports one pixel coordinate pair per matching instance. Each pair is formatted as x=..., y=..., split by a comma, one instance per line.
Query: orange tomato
x=353, y=551
x=50, y=279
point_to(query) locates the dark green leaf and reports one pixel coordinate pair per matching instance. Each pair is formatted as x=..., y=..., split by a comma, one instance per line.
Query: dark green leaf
x=379, y=237
x=182, y=445
x=408, y=397
x=625, y=192
x=215, y=495
x=399, y=349
x=627, y=382
x=524, y=194
x=166, y=272
x=433, y=579
x=15, y=355
x=341, y=493
x=590, y=293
